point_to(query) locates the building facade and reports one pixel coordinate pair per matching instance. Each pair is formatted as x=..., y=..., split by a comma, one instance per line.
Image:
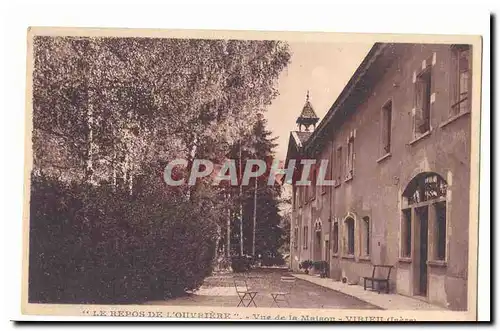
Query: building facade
x=398, y=144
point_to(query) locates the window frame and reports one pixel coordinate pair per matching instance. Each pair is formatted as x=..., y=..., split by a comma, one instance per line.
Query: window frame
x=296, y=237
x=306, y=191
x=335, y=238
x=305, y=234
x=314, y=175
x=350, y=236
x=365, y=236
x=338, y=166
x=300, y=196
x=406, y=233
x=386, y=127
x=350, y=159
x=426, y=107
x=328, y=174
x=455, y=98
x=423, y=193
x=438, y=244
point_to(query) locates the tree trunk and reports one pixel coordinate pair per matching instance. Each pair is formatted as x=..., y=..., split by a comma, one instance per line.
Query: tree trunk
x=114, y=171
x=217, y=241
x=228, y=248
x=241, y=202
x=89, y=171
x=192, y=155
x=130, y=183
x=254, y=216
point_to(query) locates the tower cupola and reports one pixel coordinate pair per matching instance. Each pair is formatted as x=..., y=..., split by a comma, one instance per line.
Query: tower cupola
x=307, y=117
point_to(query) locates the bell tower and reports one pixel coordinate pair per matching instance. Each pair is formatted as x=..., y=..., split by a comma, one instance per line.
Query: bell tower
x=307, y=116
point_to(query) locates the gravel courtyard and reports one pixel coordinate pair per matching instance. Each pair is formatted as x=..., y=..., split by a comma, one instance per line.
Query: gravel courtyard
x=219, y=291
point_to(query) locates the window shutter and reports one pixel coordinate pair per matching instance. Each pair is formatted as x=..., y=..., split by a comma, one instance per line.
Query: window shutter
x=419, y=94
x=347, y=161
x=419, y=118
x=353, y=157
x=313, y=181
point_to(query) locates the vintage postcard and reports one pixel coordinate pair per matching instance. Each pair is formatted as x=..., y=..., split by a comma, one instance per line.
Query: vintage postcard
x=227, y=175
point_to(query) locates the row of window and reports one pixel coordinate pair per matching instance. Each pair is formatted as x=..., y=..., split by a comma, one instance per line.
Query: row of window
x=424, y=213
x=348, y=237
x=421, y=215
x=460, y=88
x=308, y=193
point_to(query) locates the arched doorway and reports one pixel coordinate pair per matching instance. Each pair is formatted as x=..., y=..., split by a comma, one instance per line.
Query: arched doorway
x=423, y=228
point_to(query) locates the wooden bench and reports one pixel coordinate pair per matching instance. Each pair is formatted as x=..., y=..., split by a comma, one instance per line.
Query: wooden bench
x=379, y=280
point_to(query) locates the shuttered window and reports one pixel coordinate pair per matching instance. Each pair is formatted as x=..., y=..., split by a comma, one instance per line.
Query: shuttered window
x=422, y=110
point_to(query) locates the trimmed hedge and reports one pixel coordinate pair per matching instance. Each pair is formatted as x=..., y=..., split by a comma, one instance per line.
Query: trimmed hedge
x=273, y=260
x=241, y=263
x=91, y=245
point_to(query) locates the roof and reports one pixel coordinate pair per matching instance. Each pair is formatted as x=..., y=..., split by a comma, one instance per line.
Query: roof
x=301, y=137
x=307, y=112
x=295, y=144
x=358, y=87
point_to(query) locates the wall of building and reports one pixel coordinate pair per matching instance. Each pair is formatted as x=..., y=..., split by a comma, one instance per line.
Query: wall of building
x=375, y=191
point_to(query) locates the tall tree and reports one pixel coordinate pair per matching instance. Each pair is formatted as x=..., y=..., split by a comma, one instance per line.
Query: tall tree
x=266, y=233
x=108, y=105
x=114, y=111
x=259, y=219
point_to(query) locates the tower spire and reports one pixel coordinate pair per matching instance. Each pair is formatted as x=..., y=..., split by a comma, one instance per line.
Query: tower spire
x=307, y=116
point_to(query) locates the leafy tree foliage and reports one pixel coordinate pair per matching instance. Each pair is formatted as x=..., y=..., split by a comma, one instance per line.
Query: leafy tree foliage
x=108, y=114
x=109, y=104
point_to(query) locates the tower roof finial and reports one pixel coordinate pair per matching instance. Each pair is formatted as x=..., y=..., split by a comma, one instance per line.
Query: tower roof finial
x=307, y=117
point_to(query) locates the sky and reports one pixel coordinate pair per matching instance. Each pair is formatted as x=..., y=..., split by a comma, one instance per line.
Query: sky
x=323, y=69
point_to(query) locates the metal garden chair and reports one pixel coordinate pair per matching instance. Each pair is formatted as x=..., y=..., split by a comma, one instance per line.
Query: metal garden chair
x=286, y=286
x=244, y=293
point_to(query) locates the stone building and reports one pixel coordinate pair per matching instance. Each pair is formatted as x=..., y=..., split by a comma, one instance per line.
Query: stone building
x=398, y=144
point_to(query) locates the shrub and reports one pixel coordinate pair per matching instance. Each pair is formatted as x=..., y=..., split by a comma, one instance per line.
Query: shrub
x=306, y=265
x=273, y=260
x=322, y=267
x=319, y=264
x=92, y=245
